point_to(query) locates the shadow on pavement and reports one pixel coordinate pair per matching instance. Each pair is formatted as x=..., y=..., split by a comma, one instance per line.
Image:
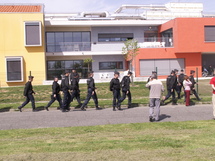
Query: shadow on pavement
x=163, y=116
x=6, y=109
x=40, y=108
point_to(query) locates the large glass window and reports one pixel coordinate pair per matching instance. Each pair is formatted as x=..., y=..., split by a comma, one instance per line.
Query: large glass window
x=112, y=37
x=210, y=33
x=110, y=65
x=14, y=69
x=68, y=41
x=58, y=67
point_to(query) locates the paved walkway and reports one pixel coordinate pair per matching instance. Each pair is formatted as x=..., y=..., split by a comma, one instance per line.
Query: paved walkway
x=91, y=117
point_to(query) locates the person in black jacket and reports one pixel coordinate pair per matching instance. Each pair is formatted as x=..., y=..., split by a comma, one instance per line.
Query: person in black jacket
x=65, y=86
x=90, y=92
x=125, y=84
x=28, y=93
x=171, y=83
x=180, y=83
x=192, y=73
x=115, y=88
x=75, y=92
x=55, y=94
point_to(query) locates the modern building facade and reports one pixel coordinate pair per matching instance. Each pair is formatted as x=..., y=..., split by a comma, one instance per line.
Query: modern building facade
x=171, y=36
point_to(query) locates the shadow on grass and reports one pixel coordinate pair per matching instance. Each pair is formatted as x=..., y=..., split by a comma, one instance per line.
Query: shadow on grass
x=5, y=109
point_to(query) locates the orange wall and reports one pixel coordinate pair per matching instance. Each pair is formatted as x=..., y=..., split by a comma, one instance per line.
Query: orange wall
x=189, y=43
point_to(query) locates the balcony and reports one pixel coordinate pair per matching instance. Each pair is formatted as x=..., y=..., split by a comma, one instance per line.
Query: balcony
x=69, y=46
x=152, y=42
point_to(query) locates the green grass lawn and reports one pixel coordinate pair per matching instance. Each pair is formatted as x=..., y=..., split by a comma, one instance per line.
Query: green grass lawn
x=12, y=97
x=164, y=141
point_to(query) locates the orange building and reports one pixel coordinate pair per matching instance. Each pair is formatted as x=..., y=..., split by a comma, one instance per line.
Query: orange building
x=192, y=46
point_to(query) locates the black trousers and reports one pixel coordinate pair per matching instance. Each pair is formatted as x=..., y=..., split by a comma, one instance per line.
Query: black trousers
x=195, y=94
x=29, y=98
x=124, y=93
x=116, y=96
x=170, y=93
x=66, y=99
x=178, y=90
x=53, y=99
x=89, y=95
x=76, y=94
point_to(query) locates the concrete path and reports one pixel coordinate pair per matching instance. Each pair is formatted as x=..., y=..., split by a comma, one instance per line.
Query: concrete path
x=91, y=117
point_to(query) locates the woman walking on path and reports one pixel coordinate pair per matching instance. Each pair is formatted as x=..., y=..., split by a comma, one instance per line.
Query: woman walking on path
x=187, y=84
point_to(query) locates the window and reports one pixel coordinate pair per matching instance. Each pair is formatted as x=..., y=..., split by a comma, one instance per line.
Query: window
x=33, y=34
x=58, y=67
x=210, y=33
x=68, y=41
x=112, y=37
x=14, y=69
x=110, y=65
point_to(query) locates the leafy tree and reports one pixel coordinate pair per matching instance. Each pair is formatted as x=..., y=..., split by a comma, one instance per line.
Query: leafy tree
x=130, y=51
x=88, y=61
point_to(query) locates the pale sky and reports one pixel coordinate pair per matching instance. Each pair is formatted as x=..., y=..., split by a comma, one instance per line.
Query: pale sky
x=70, y=6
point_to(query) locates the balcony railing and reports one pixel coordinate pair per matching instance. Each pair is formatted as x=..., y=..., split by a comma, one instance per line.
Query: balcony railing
x=150, y=42
x=157, y=42
x=69, y=46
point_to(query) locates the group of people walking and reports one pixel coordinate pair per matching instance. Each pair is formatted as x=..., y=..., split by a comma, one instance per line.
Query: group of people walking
x=70, y=88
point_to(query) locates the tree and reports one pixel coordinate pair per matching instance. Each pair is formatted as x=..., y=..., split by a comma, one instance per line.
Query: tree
x=130, y=51
x=88, y=61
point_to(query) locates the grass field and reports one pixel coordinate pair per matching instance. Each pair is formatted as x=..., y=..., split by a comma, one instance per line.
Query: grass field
x=12, y=97
x=127, y=142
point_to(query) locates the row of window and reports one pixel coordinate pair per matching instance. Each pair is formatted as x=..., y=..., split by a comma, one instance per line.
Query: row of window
x=14, y=68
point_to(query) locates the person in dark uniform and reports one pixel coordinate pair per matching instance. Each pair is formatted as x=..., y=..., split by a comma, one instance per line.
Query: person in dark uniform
x=192, y=73
x=28, y=93
x=55, y=94
x=115, y=88
x=75, y=75
x=171, y=82
x=75, y=92
x=90, y=92
x=180, y=83
x=125, y=84
x=65, y=88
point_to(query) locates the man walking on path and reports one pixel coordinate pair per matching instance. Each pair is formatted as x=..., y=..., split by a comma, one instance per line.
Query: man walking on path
x=55, y=94
x=115, y=88
x=65, y=88
x=125, y=84
x=192, y=73
x=75, y=92
x=28, y=93
x=91, y=92
x=171, y=83
x=212, y=82
x=156, y=88
x=180, y=83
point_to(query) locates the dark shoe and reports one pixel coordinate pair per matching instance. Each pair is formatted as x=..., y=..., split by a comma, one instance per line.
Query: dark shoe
x=156, y=120
x=162, y=103
x=119, y=107
x=98, y=108
x=174, y=104
x=151, y=119
x=34, y=110
x=47, y=109
x=129, y=106
x=114, y=109
x=58, y=108
x=199, y=99
x=83, y=109
x=20, y=109
x=64, y=110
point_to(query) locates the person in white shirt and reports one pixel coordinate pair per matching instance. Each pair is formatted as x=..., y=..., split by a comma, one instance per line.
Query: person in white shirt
x=156, y=88
x=187, y=87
